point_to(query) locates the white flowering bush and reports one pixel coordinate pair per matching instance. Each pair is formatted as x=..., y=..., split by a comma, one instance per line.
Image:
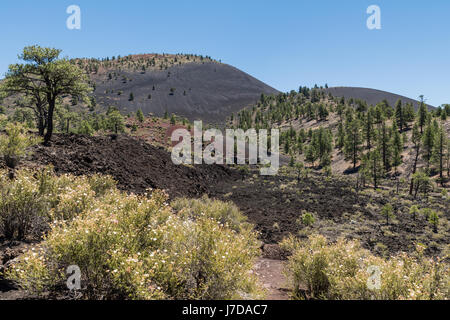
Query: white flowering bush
x=341, y=270
x=225, y=212
x=138, y=247
x=34, y=198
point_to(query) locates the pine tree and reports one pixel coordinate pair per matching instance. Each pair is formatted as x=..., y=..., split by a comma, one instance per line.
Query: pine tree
x=352, y=146
x=397, y=146
x=417, y=141
x=373, y=167
x=368, y=127
x=428, y=141
x=399, y=116
x=439, y=148
x=384, y=143
x=140, y=116
x=423, y=114
x=311, y=155
x=388, y=212
x=322, y=142
x=340, y=139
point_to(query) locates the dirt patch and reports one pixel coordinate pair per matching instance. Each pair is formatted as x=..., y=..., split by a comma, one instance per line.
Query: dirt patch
x=270, y=274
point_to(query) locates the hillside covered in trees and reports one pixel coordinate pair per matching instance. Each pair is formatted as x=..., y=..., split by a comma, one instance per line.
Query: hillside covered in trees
x=348, y=136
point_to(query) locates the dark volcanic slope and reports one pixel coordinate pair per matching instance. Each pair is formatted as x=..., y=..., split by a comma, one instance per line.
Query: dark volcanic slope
x=134, y=164
x=372, y=96
x=208, y=91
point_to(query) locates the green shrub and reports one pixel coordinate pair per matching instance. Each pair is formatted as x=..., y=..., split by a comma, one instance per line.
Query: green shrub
x=14, y=144
x=85, y=128
x=341, y=270
x=136, y=247
x=308, y=218
x=20, y=206
x=224, y=212
x=34, y=198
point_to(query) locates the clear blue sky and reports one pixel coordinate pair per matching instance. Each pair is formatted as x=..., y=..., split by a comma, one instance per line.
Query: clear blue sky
x=283, y=43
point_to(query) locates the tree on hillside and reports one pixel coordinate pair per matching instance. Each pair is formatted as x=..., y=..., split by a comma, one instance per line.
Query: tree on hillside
x=115, y=122
x=14, y=144
x=44, y=77
x=388, y=212
x=368, y=127
x=422, y=114
x=439, y=149
x=399, y=116
x=140, y=115
x=428, y=141
x=340, y=138
x=417, y=141
x=352, y=146
x=372, y=166
x=322, y=142
x=397, y=148
x=421, y=182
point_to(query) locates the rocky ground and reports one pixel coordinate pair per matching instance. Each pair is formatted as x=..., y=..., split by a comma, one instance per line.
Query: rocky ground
x=274, y=204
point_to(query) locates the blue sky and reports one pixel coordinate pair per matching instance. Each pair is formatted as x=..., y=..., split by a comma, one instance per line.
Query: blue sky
x=283, y=43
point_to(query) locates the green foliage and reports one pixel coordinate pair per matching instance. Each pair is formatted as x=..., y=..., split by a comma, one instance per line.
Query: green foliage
x=308, y=218
x=115, y=122
x=85, y=128
x=340, y=271
x=352, y=144
x=433, y=219
x=421, y=183
x=388, y=212
x=140, y=116
x=173, y=120
x=137, y=247
x=414, y=210
x=43, y=79
x=15, y=142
